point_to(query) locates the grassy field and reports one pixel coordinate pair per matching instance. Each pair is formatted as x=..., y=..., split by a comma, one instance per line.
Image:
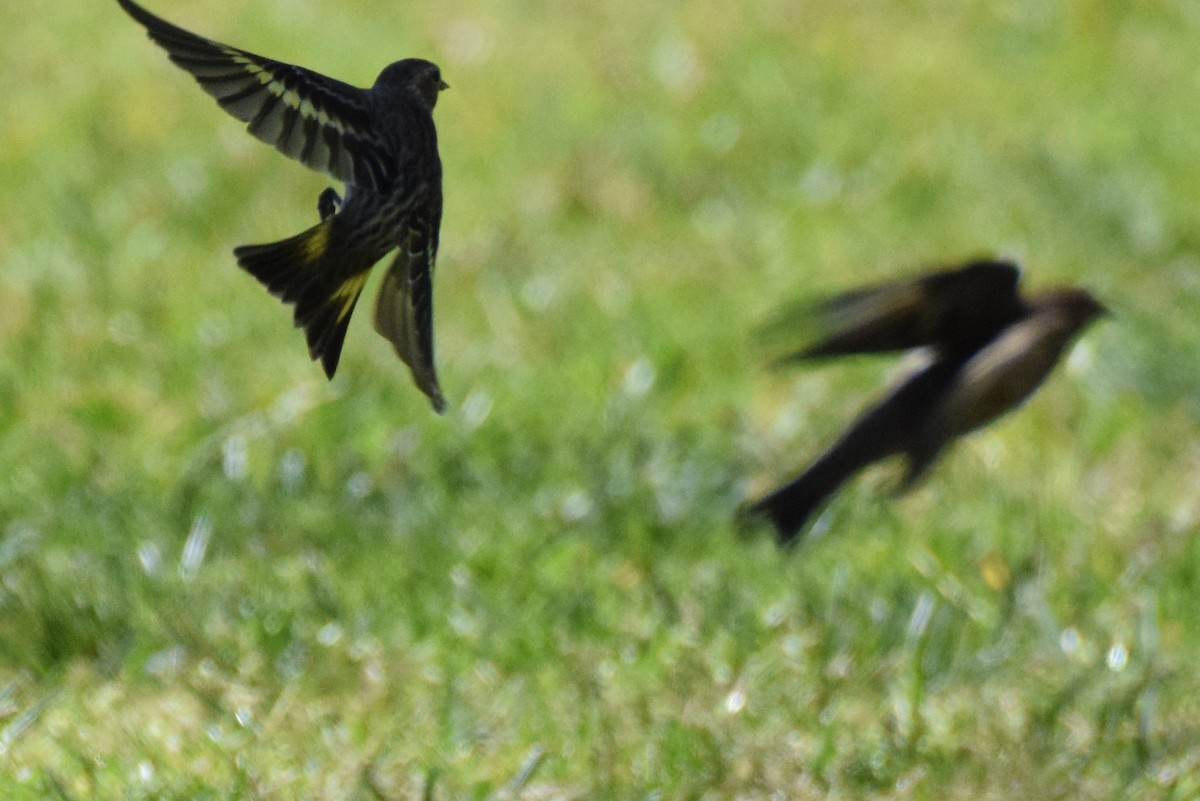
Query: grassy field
x=223, y=577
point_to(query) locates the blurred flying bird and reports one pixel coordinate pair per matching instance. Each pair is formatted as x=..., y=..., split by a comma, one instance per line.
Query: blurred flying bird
x=990, y=350
x=382, y=144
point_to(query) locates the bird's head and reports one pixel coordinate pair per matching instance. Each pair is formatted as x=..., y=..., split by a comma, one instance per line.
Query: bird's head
x=414, y=75
x=1081, y=306
x=1076, y=307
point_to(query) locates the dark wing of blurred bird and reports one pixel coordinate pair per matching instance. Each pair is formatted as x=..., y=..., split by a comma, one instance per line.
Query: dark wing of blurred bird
x=952, y=310
x=382, y=143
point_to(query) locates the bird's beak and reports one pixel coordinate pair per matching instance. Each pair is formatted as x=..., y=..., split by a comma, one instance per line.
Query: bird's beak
x=443, y=86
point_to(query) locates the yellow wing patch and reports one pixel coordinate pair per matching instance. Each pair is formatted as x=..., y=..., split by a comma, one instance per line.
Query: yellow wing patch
x=348, y=293
x=316, y=244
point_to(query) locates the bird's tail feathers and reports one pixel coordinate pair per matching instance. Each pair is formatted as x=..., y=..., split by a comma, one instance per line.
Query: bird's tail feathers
x=790, y=507
x=297, y=271
x=286, y=267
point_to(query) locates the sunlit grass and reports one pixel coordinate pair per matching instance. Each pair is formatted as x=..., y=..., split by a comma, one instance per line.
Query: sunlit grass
x=223, y=577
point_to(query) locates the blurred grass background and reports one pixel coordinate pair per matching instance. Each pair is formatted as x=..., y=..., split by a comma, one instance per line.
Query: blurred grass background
x=223, y=577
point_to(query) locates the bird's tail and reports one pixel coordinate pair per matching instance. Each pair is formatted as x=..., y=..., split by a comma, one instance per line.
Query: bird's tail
x=298, y=271
x=790, y=507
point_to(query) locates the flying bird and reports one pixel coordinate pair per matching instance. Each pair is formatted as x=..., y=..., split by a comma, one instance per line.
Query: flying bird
x=990, y=348
x=382, y=145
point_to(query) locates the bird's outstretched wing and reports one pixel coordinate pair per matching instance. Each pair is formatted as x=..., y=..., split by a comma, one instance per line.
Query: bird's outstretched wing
x=956, y=311
x=316, y=120
x=404, y=310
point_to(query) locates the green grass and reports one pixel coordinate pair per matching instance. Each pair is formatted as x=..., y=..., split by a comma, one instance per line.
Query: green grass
x=222, y=577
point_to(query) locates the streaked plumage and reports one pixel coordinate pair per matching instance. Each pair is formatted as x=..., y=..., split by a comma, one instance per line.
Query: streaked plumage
x=382, y=144
x=991, y=349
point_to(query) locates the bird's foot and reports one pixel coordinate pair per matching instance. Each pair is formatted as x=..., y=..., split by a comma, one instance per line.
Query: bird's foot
x=327, y=203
